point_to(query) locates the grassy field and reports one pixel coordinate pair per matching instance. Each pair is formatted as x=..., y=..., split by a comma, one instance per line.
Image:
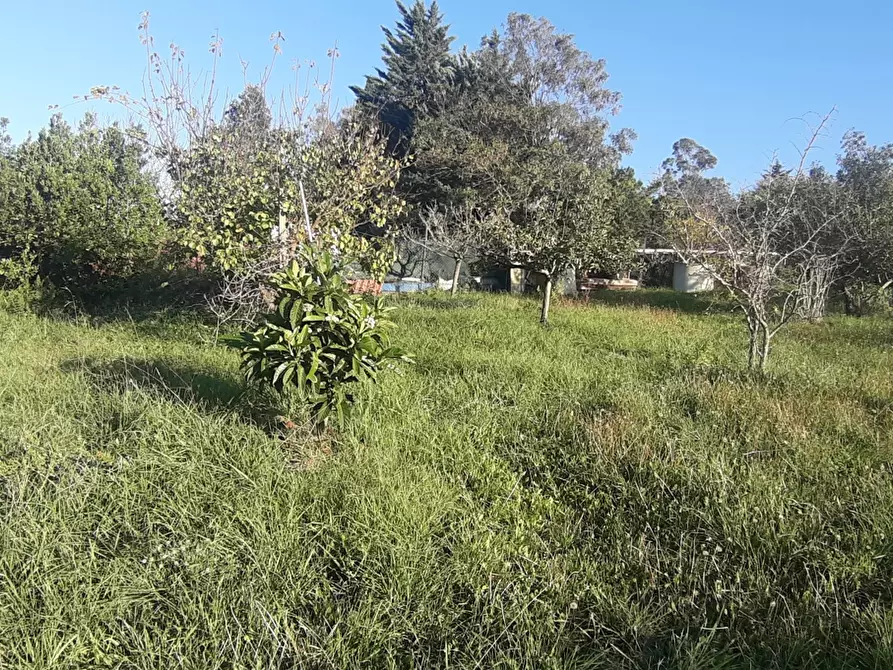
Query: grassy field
x=611, y=492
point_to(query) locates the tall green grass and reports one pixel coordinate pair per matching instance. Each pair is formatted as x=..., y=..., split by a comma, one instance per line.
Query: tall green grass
x=614, y=491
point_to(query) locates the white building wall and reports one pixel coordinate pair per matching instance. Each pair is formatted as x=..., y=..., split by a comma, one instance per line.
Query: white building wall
x=691, y=278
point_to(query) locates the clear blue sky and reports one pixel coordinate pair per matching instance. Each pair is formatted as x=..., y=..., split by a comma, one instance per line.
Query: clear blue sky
x=731, y=75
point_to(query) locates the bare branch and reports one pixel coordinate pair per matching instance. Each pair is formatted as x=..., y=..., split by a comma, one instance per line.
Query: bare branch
x=767, y=246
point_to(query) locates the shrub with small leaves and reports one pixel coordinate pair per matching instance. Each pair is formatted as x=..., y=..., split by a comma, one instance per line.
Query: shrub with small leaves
x=321, y=340
x=21, y=286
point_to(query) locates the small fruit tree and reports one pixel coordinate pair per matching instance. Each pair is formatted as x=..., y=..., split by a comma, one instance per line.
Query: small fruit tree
x=322, y=340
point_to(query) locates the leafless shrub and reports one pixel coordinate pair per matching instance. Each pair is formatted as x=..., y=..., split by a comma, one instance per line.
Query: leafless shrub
x=455, y=232
x=774, y=248
x=241, y=296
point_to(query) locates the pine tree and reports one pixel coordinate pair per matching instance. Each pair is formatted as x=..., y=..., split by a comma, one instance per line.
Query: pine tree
x=418, y=72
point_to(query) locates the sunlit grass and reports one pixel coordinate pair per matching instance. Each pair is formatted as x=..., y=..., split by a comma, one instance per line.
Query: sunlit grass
x=611, y=491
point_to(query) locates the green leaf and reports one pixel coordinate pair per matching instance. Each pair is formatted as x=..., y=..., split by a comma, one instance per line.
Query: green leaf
x=296, y=314
x=280, y=370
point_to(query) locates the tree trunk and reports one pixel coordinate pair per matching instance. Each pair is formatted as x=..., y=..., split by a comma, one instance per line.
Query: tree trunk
x=753, y=335
x=815, y=283
x=454, y=289
x=547, y=300
x=280, y=236
x=752, y=350
x=848, y=307
x=764, y=352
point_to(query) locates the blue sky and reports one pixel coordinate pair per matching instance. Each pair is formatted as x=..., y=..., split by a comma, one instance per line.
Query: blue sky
x=735, y=76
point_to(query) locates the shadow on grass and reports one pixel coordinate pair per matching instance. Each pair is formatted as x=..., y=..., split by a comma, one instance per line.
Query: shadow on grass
x=181, y=384
x=693, y=303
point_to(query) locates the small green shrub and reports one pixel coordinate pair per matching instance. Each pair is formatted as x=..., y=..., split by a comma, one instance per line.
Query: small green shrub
x=321, y=339
x=21, y=287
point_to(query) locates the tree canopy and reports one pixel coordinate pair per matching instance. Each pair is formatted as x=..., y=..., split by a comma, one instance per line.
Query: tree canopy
x=525, y=139
x=866, y=174
x=80, y=202
x=418, y=72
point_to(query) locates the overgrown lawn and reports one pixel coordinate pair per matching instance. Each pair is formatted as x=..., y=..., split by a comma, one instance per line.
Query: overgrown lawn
x=613, y=491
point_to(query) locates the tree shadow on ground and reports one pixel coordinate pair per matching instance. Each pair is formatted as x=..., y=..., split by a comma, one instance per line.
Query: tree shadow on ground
x=693, y=303
x=181, y=384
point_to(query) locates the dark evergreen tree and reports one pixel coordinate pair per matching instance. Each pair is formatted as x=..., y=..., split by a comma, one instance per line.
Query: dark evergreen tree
x=417, y=76
x=250, y=112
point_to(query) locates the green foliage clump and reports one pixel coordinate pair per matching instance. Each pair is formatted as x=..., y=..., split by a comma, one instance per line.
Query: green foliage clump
x=866, y=175
x=240, y=189
x=352, y=195
x=866, y=299
x=238, y=181
x=81, y=203
x=22, y=287
x=321, y=340
x=226, y=206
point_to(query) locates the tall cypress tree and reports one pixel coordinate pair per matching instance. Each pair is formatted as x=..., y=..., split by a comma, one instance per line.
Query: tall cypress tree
x=417, y=75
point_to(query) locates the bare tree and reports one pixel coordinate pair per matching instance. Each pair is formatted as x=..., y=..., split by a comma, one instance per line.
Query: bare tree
x=816, y=279
x=244, y=294
x=768, y=247
x=454, y=232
